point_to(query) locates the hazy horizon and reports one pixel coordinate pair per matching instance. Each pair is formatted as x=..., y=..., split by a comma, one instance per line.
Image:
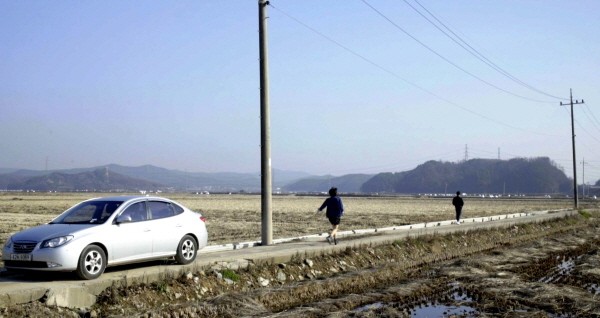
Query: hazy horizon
x=355, y=86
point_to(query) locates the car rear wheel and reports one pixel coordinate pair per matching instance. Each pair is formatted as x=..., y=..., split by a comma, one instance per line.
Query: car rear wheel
x=92, y=262
x=186, y=250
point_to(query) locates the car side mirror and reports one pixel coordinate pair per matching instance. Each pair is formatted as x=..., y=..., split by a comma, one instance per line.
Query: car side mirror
x=123, y=219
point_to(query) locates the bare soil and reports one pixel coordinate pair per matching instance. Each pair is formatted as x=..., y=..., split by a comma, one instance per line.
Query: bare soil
x=548, y=269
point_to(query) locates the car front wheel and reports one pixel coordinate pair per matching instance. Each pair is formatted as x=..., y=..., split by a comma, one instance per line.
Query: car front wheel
x=186, y=250
x=92, y=262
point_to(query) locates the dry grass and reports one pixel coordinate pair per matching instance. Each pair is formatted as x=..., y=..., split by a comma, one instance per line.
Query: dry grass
x=237, y=218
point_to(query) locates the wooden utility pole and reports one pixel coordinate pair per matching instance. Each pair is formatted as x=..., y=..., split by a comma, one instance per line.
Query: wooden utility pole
x=576, y=202
x=265, y=130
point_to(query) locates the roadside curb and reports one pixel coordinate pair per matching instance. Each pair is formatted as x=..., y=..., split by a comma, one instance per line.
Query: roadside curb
x=320, y=236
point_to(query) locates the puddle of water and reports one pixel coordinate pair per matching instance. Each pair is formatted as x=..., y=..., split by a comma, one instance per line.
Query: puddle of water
x=593, y=288
x=439, y=306
x=368, y=307
x=564, y=268
x=437, y=310
x=429, y=310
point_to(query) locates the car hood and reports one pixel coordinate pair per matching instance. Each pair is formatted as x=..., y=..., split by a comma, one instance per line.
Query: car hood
x=48, y=231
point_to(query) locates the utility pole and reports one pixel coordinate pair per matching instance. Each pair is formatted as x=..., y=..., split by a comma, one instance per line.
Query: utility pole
x=576, y=202
x=466, y=153
x=583, y=179
x=265, y=129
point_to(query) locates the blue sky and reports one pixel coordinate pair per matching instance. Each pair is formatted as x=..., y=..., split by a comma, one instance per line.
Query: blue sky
x=176, y=84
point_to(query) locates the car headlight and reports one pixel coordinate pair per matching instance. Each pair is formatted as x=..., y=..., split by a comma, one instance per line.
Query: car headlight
x=57, y=241
x=8, y=243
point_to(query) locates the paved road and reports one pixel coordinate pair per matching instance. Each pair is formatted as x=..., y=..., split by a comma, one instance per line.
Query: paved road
x=65, y=290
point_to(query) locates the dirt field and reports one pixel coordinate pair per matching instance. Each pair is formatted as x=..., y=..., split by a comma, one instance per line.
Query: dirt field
x=533, y=270
x=236, y=218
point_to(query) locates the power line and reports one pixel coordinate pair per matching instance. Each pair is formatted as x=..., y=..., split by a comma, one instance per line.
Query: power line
x=592, y=113
x=448, y=60
x=583, y=128
x=403, y=79
x=592, y=119
x=474, y=51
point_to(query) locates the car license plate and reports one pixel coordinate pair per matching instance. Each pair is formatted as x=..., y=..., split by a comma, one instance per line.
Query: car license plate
x=21, y=257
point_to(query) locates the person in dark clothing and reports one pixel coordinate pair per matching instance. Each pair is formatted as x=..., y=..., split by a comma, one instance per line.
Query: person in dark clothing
x=335, y=210
x=458, y=203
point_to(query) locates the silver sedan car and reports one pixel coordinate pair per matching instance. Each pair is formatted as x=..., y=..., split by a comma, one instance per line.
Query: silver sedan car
x=108, y=231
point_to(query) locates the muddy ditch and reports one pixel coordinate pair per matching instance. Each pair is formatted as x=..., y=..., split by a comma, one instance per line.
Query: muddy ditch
x=532, y=270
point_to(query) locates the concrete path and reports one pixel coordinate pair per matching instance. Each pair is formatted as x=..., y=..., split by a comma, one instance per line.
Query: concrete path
x=65, y=290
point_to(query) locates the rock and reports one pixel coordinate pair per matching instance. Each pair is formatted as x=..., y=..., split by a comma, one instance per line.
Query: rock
x=282, y=265
x=189, y=276
x=309, y=262
x=83, y=312
x=178, y=295
x=263, y=282
x=228, y=281
x=281, y=276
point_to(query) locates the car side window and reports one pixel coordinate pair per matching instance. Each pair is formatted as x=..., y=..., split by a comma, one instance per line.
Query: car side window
x=107, y=210
x=159, y=209
x=177, y=208
x=135, y=213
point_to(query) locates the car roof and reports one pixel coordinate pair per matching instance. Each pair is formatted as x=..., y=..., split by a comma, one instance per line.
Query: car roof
x=125, y=198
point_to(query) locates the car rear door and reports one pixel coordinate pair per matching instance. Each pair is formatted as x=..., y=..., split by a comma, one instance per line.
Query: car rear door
x=167, y=228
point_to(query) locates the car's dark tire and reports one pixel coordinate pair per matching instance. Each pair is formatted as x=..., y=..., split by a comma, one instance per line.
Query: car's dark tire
x=92, y=262
x=186, y=250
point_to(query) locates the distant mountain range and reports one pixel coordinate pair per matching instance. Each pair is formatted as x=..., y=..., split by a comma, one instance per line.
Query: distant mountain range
x=150, y=178
x=521, y=175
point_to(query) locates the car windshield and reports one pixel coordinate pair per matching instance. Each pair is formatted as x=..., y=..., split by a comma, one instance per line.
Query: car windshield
x=91, y=212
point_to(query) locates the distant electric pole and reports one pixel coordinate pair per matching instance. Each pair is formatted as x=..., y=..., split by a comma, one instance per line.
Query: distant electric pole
x=466, y=153
x=583, y=179
x=575, y=195
x=265, y=129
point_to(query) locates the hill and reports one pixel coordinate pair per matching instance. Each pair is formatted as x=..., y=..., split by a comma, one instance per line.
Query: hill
x=162, y=178
x=521, y=175
x=348, y=183
x=516, y=176
x=97, y=180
